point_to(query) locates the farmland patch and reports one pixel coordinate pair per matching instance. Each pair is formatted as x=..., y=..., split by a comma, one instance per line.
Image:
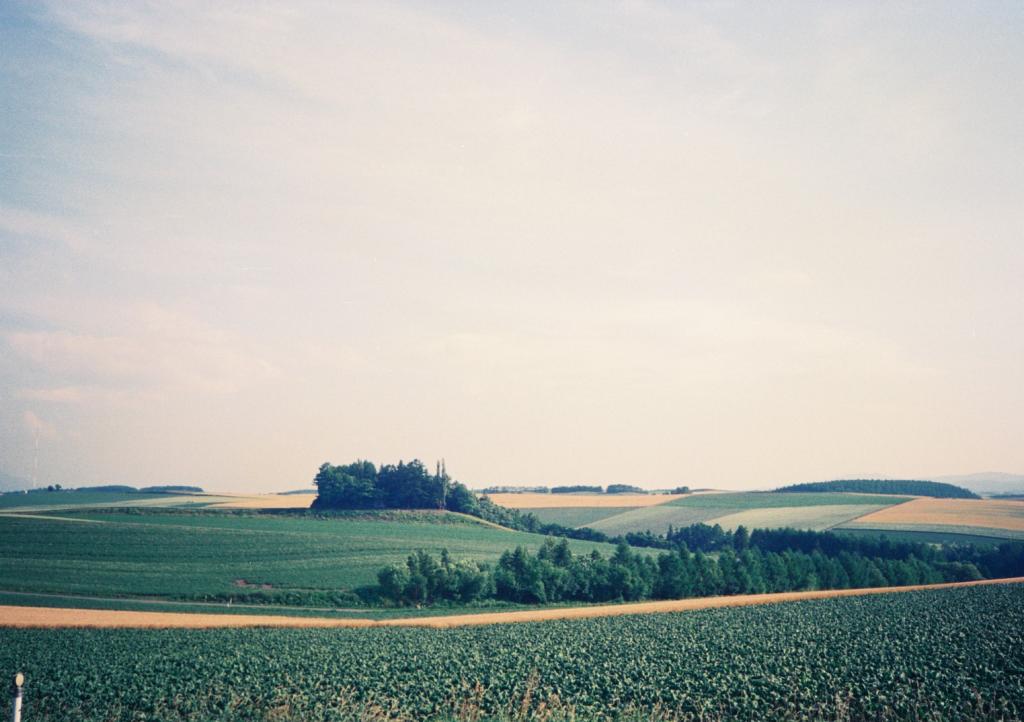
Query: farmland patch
x=552, y=501
x=818, y=518
x=951, y=654
x=657, y=519
x=979, y=513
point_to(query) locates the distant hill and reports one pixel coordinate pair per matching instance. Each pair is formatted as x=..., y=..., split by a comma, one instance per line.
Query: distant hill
x=907, y=487
x=9, y=482
x=987, y=482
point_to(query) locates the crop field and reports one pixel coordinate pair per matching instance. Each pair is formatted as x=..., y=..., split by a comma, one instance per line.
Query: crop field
x=69, y=499
x=980, y=513
x=657, y=518
x=266, y=501
x=962, y=533
x=580, y=515
x=752, y=509
x=555, y=501
x=948, y=520
x=926, y=537
x=73, y=500
x=287, y=559
x=955, y=654
x=819, y=517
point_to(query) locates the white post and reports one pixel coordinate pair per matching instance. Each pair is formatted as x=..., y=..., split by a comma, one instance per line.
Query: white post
x=19, y=680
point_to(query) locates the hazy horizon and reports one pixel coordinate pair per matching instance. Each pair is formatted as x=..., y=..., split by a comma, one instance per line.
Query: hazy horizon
x=732, y=246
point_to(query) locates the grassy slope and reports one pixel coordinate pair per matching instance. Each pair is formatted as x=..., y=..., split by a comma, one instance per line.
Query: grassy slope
x=187, y=556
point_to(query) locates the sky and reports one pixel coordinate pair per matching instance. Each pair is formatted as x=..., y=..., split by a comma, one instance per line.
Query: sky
x=717, y=244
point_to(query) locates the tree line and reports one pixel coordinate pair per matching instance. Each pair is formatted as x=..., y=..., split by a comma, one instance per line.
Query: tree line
x=909, y=487
x=555, y=574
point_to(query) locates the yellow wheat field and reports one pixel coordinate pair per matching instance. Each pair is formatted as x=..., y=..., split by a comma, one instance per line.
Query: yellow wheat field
x=267, y=501
x=986, y=513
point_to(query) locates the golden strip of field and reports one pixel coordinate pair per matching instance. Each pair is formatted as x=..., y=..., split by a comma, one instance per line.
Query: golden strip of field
x=575, y=501
x=267, y=501
x=105, y=618
x=988, y=513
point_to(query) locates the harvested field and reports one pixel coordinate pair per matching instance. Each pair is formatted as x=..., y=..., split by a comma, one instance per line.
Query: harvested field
x=49, y=617
x=267, y=501
x=562, y=501
x=978, y=513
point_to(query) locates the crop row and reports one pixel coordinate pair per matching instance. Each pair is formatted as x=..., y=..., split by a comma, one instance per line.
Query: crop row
x=952, y=654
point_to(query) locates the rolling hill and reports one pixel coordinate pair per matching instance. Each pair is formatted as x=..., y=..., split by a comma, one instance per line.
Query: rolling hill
x=221, y=555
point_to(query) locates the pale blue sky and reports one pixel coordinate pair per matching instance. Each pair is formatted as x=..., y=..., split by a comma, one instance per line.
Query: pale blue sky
x=725, y=244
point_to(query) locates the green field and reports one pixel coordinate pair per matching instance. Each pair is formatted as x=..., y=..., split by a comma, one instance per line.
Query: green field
x=818, y=517
x=755, y=510
x=952, y=655
x=69, y=499
x=287, y=559
x=925, y=537
x=56, y=499
x=577, y=516
x=947, y=529
x=657, y=518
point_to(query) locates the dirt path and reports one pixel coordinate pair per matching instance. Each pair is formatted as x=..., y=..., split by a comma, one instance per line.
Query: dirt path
x=11, y=616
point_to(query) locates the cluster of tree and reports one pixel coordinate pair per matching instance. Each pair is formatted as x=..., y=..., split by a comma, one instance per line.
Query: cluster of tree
x=624, y=489
x=425, y=580
x=361, y=485
x=681, y=490
x=555, y=574
x=576, y=489
x=910, y=487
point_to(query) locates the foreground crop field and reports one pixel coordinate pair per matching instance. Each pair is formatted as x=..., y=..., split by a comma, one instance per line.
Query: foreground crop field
x=287, y=559
x=955, y=654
